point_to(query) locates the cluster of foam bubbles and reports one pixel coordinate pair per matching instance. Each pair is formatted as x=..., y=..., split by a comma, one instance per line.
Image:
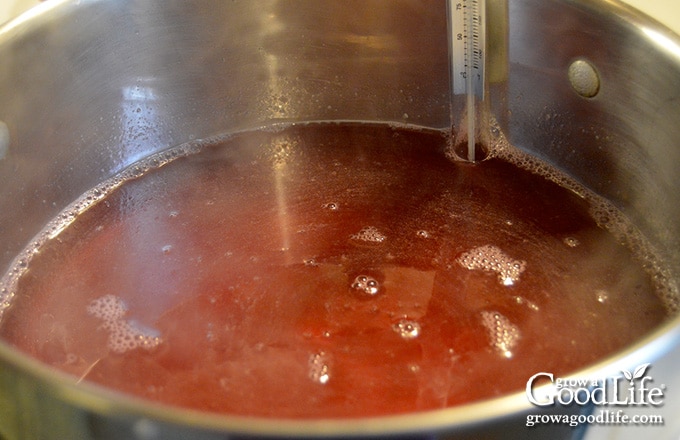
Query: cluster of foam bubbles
x=366, y=284
x=6, y=297
x=503, y=334
x=407, y=328
x=490, y=258
x=369, y=234
x=123, y=335
x=319, y=367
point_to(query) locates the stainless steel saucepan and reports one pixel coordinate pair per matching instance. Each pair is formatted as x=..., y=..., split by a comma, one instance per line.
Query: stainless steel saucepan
x=593, y=87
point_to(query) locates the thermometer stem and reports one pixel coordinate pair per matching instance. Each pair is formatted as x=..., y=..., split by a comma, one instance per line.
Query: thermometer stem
x=470, y=88
x=467, y=33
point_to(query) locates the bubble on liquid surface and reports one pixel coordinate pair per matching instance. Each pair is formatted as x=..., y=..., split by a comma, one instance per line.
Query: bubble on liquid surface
x=423, y=234
x=319, y=367
x=310, y=262
x=571, y=242
x=602, y=296
x=492, y=259
x=369, y=234
x=523, y=301
x=503, y=334
x=331, y=206
x=71, y=358
x=407, y=328
x=123, y=335
x=366, y=284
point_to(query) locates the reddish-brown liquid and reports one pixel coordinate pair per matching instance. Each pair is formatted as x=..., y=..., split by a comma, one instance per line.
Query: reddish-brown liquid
x=329, y=271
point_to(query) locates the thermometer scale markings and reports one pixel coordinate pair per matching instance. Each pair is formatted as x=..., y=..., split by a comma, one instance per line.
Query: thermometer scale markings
x=467, y=44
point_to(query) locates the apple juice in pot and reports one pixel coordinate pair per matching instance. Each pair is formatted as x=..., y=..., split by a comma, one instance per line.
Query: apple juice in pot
x=331, y=270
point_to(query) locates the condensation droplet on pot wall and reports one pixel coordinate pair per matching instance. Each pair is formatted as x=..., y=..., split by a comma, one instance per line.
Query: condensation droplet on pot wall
x=4, y=140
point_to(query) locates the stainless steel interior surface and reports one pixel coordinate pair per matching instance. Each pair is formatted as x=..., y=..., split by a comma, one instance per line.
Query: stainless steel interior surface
x=89, y=87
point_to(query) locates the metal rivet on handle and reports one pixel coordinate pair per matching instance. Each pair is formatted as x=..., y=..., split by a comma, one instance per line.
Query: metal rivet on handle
x=584, y=78
x=145, y=429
